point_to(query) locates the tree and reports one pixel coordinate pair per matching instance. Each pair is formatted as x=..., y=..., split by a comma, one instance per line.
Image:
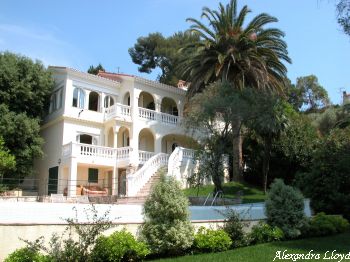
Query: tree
x=22, y=138
x=246, y=57
x=269, y=125
x=328, y=182
x=343, y=10
x=211, y=112
x=167, y=229
x=25, y=85
x=291, y=152
x=7, y=161
x=157, y=51
x=94, y=70
x=285, y=208
x=314, y=96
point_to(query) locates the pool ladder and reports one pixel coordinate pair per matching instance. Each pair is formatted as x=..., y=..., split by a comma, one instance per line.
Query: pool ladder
x=215, y=197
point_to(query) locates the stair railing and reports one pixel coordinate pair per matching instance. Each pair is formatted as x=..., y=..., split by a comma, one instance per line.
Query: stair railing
x=216, y=195
x=138, y=179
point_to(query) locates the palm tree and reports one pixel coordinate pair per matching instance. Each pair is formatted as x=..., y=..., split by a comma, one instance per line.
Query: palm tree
x=247, y=57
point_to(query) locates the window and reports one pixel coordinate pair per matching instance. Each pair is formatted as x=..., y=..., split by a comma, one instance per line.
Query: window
x=60, y=98
x=93, y=175
x=87, y=139
x=53, y=103
x=94, y=101
x=56, y=100
x=78, y=97
x=109, y=101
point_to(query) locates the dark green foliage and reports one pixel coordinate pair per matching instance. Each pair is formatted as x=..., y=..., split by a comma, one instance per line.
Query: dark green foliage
x=7, y=161
x=285, y=208
x=233, y=226
x=328, y=183
x=26, y=254
x=324, y=225
x=95, y=69
x=209, y=240
x=119, y=246
x=167, y=229
x=24, y=98
x=263, y=233
x=157, y=51
x=24, y=85
x=21, y=136
x=291, y=151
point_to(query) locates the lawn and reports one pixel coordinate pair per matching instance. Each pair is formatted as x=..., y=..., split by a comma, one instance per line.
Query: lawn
x=250, y=194
x=267, y=252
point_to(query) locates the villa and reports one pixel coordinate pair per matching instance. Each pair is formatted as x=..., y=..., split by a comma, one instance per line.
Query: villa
x=107, y=135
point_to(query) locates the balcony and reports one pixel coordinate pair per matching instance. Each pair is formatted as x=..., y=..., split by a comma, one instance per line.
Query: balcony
x=151, y=115
x=118, y=111
x=86, y=153
x=124, y=112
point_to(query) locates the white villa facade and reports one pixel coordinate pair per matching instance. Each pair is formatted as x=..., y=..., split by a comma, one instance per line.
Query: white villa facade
x=111, y=131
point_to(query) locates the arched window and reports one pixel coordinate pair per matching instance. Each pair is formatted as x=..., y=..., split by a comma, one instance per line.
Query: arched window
x=93, y=101
x=53, y=103
x=78, y=97
x=109, y=101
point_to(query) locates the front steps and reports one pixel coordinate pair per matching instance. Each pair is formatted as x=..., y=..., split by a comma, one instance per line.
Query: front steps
x=143, y=193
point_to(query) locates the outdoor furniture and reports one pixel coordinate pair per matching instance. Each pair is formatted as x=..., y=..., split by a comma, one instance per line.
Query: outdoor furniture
x=94, y=191
x=78, y=190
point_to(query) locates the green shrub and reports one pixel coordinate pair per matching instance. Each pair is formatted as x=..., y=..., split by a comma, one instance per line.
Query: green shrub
x=328, y=183
x=66, y=247
x=167, y=229
x=209, y=240
x=26, y=254
x=233, y=226
x=323, y=225
x=285, y=209
x=119, y=246
x=263, y=233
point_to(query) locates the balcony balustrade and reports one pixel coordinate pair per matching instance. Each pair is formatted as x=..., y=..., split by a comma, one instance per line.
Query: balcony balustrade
x=124, y=111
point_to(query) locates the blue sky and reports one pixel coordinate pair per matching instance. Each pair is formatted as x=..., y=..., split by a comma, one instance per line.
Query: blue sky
x=79, y=33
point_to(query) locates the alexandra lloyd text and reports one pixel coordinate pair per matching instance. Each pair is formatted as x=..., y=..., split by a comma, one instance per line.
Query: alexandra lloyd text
x=328, y=256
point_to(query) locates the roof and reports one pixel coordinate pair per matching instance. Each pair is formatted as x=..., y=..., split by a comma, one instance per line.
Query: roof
x=85, y=75
x=118, y=77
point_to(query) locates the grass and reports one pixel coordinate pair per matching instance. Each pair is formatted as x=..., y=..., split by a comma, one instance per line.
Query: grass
x=267, y=252
x=250, y=194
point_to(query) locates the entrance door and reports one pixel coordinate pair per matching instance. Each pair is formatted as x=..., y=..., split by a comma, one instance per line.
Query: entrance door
x=53, y=180
x=122, y=183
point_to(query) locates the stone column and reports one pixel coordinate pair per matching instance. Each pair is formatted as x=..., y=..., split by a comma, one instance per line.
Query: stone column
x=73, y=176
x=158, y=144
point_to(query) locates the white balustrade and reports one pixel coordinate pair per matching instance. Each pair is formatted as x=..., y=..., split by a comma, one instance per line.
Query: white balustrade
x=137, y=180
x=145, y=155
x=169, y=119
x=159, y=116
x=96, y=151
x=188, y=153
x=123, y=152
x=147, y=114
x=117, y=110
